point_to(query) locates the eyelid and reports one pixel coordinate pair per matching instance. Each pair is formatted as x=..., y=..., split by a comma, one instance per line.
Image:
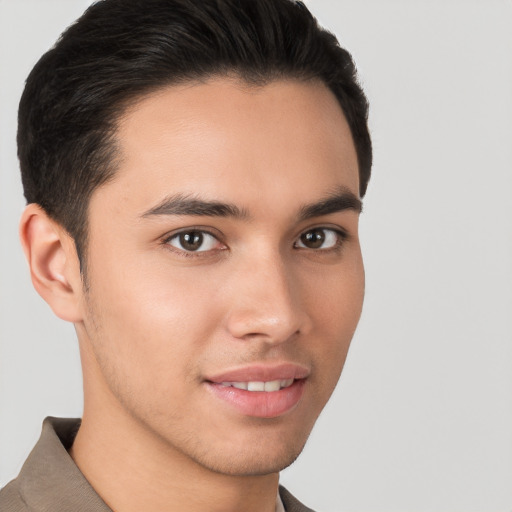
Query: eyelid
x=203, y=229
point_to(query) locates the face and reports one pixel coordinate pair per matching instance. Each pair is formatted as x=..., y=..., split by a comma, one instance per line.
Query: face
x=224, y=269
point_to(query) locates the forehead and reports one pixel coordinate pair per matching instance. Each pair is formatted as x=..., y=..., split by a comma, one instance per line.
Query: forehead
x=225, y=139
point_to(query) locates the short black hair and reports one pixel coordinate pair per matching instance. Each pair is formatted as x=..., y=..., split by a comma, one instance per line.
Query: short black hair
x=119, y=50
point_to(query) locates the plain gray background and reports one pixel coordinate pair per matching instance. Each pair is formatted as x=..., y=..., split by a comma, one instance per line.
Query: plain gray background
x=422, y=418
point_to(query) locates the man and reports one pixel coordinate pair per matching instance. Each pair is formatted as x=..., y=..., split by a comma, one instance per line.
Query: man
x=194, y=174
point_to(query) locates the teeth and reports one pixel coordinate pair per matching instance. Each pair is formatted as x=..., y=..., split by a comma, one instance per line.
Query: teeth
x=272, y=385
x=255, y=386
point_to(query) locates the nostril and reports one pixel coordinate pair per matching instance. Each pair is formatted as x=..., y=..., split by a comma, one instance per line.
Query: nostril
x=271, y=337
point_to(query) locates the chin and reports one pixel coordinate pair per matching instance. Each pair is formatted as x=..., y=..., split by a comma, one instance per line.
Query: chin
x=257, y=459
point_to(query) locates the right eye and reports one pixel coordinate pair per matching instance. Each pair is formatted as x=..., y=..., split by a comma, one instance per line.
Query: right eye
x=194, y=240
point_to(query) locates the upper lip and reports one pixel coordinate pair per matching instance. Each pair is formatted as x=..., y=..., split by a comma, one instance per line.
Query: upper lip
x=261, y=373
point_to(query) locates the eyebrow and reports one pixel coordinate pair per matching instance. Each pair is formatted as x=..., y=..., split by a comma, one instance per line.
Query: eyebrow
x=341, y=199
x=184, y=204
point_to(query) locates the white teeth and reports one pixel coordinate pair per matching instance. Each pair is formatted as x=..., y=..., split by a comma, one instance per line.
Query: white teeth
x=255, y=386
x=286, y=383
x=272, y=385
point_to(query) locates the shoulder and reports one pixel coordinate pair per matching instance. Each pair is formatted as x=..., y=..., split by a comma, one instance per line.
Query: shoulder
x=11, y=499
x=49, y=479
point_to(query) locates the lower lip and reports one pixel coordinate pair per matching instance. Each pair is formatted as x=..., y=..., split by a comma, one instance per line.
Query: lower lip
x=260, y=404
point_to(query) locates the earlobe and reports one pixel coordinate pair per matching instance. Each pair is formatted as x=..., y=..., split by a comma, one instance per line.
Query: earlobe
x=53, y=262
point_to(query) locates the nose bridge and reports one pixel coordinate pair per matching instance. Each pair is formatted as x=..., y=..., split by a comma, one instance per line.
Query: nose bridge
x=266, y=300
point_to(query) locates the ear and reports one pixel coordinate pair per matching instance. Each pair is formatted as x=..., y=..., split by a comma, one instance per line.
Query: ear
x=53, y=262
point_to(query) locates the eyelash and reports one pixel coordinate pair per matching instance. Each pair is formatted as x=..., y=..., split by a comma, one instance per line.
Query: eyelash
x=342, y=237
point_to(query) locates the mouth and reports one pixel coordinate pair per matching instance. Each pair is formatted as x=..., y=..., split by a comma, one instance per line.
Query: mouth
x=260, y=391
x=255, y=385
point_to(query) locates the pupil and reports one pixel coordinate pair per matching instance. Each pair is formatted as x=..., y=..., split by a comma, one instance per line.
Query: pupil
x=313, y=239
x=191, y=240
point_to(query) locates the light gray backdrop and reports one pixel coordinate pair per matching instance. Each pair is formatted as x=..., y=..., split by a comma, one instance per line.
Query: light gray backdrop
x=422, y=418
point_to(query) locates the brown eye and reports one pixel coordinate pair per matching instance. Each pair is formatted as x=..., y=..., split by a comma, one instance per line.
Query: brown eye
x=319, y=238
x=193, y=241
x=313, y=239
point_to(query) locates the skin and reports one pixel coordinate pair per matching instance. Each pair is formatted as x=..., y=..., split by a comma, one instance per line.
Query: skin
x=157, y=320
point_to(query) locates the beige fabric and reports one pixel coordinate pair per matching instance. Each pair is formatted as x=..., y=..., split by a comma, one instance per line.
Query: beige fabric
x=51, y=482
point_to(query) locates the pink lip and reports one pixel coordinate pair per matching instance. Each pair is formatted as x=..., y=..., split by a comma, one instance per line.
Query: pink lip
x=261, y=373
x=260, y=404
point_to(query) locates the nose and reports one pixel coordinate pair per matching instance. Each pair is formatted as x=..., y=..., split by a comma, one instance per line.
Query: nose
x=267, y=302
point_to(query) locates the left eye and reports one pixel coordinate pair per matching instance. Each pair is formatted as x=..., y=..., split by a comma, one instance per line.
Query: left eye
x=193, y=241
x=319, y=238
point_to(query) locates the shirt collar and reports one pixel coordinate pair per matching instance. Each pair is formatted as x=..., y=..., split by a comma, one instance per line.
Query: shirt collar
x=50, y=478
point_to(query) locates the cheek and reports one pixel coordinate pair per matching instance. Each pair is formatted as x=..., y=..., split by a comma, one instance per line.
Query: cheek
x=336, y=304
x=141, y=292
x=152, y=321
x=336, y=294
